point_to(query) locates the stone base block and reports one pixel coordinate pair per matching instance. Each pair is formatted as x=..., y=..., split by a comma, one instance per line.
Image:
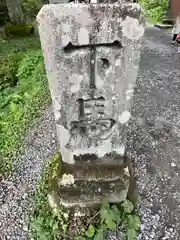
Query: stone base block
x=87, y=193
x=83, y=184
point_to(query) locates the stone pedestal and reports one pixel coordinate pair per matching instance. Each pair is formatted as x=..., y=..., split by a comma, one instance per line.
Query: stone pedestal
x=89, y=182
x=91, y=54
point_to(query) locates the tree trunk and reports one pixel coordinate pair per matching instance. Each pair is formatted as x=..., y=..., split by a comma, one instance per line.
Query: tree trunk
x=15, y=11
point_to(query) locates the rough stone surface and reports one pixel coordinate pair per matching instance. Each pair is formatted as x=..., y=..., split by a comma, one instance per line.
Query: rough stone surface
x=92, y=171
x=83, y=184
x=89, y=193
x=92, y=102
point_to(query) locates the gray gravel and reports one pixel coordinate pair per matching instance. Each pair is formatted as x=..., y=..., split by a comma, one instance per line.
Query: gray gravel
x=15, y=205
x=154, y=137
x=153, y=145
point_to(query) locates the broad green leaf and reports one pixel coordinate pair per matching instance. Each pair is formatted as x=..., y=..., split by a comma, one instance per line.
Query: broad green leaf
x=110, y=216
x=116, y=213
x=99, y=235
x=127, y=206
x=104, y=214
x=107, y=217
x=90, y=232
x=110, y=224
x=134, y=222
x=131, y=234
x=104, y=211
x=105, y=205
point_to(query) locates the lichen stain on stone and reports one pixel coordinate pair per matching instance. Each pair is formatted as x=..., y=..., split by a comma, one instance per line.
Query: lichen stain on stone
x=109, y=70
x=83, y=36
x=66, y=28
x=126, y=171
x=64, y=136
x=99, y=82
x=57, y=115
x=118, y=62
x=67, y=179
x=43, y=13
x=65, y=39
x=67, y=156
x=75, y=88
x=75, y=81
x=124, y=117
x=104, y=26
x=83, y=17
x=57, y=108
x=132, y=29
x=129, y=94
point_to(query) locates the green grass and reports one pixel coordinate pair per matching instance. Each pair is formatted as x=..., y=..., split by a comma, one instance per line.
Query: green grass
x=155, y=10
x=21, y=103
x=44, y=223
x=10, y=45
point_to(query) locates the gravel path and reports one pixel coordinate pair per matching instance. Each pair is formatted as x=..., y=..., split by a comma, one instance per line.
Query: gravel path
x=39, y=146
x=153, y=145
x=154, y=138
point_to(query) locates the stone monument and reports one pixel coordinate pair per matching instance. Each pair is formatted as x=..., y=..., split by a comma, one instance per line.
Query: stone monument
x=91, y=54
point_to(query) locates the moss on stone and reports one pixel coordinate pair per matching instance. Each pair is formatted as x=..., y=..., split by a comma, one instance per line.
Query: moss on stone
x=18, y=30
x=54, y=170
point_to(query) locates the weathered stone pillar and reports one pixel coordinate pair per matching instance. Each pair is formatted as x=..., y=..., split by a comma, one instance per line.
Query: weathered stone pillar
x=91, y=54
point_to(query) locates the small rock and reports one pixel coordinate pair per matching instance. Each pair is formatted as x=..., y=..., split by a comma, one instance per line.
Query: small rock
x=25, y=228
x=142, y=227
x=173, y=164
